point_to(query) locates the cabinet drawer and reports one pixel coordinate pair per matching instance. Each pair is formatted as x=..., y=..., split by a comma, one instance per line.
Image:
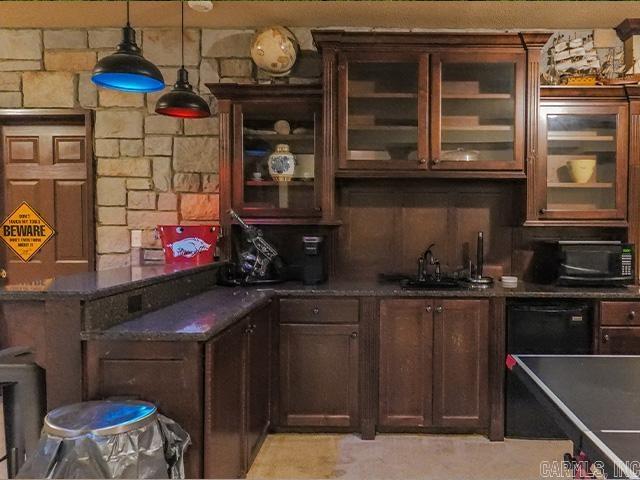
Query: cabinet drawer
x=620, y=313
x=317, y=310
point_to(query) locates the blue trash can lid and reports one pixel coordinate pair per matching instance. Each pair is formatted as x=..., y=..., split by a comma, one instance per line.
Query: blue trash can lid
x=99, y=418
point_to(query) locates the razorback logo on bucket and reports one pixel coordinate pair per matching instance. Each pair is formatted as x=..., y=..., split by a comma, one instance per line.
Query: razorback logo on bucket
x=194, y=244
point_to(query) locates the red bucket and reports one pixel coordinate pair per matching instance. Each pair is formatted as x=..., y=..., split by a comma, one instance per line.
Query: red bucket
x=194, y=244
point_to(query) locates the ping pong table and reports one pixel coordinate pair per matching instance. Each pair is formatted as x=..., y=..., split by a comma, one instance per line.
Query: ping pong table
x=595, y=399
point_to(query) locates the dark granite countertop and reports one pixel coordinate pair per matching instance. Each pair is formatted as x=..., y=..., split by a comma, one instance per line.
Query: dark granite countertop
x=103, y=283
x=204, y=316
x=196, y=319
x=523, y=290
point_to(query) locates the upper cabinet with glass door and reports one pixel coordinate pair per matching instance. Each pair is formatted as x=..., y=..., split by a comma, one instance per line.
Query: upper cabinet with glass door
x=477, y=111
x=581, y=173
x=382, y=113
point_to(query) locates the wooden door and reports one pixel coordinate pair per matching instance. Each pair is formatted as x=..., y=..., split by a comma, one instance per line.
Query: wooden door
x=224, y=439
x=596, y=135
x=49, y=167
x=383, y=110
x=406, y=342
x=619, y=341
x=461, y=363
x=258, y=381
x=319, y=375
x=477, y=111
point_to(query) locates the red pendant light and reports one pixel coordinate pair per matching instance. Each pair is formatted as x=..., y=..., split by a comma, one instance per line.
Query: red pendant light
x=182, y=101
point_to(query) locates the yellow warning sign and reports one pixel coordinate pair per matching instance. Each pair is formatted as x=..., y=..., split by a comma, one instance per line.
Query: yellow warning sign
x=25, y=232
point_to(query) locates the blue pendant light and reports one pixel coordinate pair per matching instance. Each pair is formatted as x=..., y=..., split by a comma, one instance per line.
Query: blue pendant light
x=182, y=101
x=126, y=69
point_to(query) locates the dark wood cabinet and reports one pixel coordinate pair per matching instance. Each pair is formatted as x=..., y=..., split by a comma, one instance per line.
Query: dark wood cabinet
x=406, y=359
x=168, y=374
x=258, y=394
x=581, y=173
x=434, y=363
x=224, y=449
x=248, y=136
x=237, y=395
x=442, y=105
x=319, y=375
x=218, y=391
x=461, y=363
x=619, y=328
x=477, y=110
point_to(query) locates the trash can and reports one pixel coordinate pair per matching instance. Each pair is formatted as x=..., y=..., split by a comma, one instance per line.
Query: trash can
x=22, y=386
x=108, y=439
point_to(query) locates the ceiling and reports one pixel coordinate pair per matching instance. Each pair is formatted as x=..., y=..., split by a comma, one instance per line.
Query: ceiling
x=398, y=14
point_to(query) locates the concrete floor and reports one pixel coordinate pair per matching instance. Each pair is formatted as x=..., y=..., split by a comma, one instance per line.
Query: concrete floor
x=289, y=456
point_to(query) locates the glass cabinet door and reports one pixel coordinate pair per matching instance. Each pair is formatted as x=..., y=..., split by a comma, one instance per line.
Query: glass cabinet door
x=477, y=111
x=582, y=171
x=276, y=158
x=382, y=111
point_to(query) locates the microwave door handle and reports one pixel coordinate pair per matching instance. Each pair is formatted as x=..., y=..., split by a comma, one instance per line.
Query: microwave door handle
x=580, y=269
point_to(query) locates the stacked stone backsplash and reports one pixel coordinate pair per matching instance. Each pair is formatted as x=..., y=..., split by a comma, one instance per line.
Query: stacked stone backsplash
x=150, y=169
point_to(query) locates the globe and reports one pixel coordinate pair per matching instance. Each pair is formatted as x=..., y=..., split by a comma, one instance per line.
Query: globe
x=274, y=50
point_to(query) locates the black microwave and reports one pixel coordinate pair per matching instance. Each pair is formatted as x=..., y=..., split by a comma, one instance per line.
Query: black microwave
x=585, y=263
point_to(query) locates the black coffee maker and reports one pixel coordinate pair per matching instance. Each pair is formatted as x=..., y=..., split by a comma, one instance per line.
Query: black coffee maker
x=314, y=265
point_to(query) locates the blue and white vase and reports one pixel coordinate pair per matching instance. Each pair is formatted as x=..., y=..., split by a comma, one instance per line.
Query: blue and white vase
x=282, y=163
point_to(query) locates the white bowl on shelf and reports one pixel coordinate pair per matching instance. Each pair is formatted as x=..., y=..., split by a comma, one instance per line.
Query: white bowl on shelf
x=509, y=281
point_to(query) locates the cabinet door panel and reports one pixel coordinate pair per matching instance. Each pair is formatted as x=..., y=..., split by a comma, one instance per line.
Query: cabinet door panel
x=406, y=340
x=582, y=169
x=258, y=384
x=382, y=120
x=619, y=341
x=477, y=109
x=224, y=405
x=461, y=356
x=319, y=375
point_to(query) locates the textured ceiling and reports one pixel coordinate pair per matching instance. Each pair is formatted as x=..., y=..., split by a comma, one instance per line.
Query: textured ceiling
x=398, y=14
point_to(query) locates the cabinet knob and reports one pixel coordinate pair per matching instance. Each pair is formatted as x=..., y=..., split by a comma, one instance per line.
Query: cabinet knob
x=247, y=330
x=3, y=273
x=435, y=161
x=605, y=338
x=632, y=315
x=428, y=308
x=354, y=335
x=439, y=309
x=316, y=310
x=542, y=211
x=422, y=161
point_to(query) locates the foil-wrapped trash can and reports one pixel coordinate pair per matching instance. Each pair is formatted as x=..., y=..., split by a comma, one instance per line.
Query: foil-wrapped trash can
x=108, y=439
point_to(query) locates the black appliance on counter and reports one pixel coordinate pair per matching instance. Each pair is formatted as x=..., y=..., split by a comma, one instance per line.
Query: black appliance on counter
x=542, y=327
x=584, y=263
x=314, y=264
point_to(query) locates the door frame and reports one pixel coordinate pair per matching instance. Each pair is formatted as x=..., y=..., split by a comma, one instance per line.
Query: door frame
x=56, y=116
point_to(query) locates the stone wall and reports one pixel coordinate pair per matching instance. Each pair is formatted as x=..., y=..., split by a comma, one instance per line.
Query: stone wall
x=150, y=169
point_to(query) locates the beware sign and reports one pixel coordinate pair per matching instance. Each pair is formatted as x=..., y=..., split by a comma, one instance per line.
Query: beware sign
x=25, y=232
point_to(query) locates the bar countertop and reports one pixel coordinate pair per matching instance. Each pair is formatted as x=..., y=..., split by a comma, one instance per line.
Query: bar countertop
x=85, y=286
x=203, y=316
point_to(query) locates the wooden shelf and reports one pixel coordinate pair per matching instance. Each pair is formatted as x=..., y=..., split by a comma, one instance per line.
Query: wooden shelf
x=476, y=96
x=603, y=185
x=478, y=128
x=279, y=137
x=579, y=137
x=383, y=128
x=273, y=183
x=383, y=95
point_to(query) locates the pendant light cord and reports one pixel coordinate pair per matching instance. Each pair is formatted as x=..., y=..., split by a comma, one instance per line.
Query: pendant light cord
x=182, y=31
x=128, y=25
